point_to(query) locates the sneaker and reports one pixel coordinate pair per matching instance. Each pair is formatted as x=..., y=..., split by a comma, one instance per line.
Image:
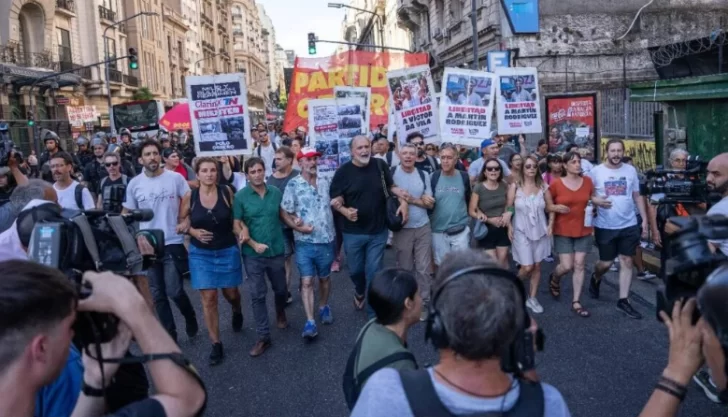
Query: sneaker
x=216, y=354
x=192, y=327
x=289, y=300
x=647, y=275
x=702, y=378
x=325, y=315
x=336, y=266
x=534, y=305
x=594, y=284
x=310, y=331
x=549, y=259
x=237, y=321
x=625, y=307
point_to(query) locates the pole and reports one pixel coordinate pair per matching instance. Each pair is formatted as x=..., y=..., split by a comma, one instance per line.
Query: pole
x=365, y=45
x=381, y=31
x=474, y=23
x=106, y=58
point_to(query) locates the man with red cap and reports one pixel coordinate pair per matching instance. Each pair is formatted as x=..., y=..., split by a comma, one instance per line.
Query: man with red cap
x=307, y=198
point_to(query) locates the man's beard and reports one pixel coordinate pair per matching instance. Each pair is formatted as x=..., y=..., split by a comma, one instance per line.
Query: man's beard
x=420, y=152
x=151, y=167
x=364, y=160
x=721, y=189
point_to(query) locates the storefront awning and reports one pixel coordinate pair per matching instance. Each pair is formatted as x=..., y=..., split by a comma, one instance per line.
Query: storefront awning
x=23, y=77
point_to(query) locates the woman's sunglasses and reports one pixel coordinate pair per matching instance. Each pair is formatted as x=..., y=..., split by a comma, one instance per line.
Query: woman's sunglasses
x=492, y=169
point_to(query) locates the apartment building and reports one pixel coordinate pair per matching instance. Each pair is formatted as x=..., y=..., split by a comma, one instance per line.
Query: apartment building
x=374, y=23
x=193, y=43
x=175, y=33
x=268, y=48
x=216, y=37
x=248, y=56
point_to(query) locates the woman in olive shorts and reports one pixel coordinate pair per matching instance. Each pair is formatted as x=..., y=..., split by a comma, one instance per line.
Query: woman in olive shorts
x=488, y=205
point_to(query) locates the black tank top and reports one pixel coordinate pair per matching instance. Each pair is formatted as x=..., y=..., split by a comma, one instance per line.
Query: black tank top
x=218, y=221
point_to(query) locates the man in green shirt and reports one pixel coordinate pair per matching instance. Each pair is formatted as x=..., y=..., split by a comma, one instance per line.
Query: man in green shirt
x=257, y=223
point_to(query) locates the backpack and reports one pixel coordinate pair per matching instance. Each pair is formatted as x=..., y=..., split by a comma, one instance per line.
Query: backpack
x=352, y=384
x=227, y=196
x=424, y=401
x=466, y=183
x=419, y=171
x=78, y=194
x=275, y=149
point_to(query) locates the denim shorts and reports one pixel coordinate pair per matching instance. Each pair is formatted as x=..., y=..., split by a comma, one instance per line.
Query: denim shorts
x=314, y=259
x=215, y=268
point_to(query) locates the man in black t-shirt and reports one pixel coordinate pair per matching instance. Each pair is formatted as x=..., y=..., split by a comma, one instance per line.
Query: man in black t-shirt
x=357, y=192
x=112, y=188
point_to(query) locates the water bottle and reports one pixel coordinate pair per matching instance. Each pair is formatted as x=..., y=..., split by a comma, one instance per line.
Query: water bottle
x=589, y=214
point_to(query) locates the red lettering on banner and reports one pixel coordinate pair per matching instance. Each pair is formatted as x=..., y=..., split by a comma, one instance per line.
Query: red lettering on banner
x=220, y=112
x=471, y=110
x=416, y=110
x=522, y=105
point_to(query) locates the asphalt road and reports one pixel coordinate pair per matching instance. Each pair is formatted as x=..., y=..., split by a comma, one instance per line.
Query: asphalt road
x=605, y=365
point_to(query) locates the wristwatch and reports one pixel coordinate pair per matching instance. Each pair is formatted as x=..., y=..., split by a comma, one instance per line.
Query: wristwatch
x=90, y=391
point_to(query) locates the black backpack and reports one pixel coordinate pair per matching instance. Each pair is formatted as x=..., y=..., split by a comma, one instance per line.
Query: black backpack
x=419, y=171
x=466, y=183
x=424, y=401
x=352, y=383
x=78, y=194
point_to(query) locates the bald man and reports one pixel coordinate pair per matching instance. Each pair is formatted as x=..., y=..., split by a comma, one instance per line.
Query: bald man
x=718, y=183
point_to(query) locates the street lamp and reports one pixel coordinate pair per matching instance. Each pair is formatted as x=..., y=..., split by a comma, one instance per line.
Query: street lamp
x=225, y=54
x=106, y=56
x=380, y=17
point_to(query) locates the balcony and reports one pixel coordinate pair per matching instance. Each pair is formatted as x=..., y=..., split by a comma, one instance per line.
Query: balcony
x=130, y=80
x=11, y=54
x=121, y=28
x=81, y=71
x=107, y=14
x=66, y=7
x=206, y=20
x=115, y=76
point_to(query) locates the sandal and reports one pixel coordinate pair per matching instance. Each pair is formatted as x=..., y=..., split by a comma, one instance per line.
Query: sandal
x=359, y=301
x=554, y=286
x=580, y=311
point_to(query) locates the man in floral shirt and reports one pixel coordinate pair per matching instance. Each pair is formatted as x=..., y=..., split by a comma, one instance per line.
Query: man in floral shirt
x=307, y=198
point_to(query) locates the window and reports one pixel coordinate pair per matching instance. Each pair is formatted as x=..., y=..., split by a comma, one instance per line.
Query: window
x=440, y=10
x=456, y=11
x=64, y=45
x=111, y=51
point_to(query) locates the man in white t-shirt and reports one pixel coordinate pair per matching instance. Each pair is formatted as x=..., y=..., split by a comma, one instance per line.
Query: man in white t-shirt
x=266, y=150
x=162, y=191
x=69, y=197
x=718, y=183
x=615, y=228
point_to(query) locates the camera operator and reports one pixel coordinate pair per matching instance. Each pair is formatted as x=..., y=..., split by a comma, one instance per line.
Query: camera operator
x=476, y=319
x=11, y=176
x=39, y=306
x=35, y=189
x=717, y=180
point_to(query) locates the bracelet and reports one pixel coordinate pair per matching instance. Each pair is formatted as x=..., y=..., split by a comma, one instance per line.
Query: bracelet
x=90, y=391
x=673, y=384
x=669, y=390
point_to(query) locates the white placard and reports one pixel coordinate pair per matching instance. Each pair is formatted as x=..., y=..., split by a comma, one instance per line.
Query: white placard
x=358, y=92
x=466, y=106
x=518, y=102
x=333, y=123
x=411, y=95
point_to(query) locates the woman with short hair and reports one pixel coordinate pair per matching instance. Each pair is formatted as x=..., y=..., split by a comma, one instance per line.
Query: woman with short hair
x=393, y=295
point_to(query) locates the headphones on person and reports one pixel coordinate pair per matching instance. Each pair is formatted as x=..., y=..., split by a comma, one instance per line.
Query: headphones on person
x=520, y=356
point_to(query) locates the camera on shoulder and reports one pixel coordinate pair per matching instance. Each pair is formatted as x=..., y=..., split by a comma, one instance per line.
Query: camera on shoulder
x=95, y=240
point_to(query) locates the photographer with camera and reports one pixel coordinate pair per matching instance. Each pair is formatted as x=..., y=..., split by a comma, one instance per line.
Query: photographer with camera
x=35, y=189
x=479, y=323
x=39, y=306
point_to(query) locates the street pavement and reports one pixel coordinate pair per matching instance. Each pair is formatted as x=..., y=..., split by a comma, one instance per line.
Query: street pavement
x=605, y=365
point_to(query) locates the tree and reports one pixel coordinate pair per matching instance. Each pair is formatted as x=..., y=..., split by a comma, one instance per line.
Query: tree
x=143, y=93
x=283, y=103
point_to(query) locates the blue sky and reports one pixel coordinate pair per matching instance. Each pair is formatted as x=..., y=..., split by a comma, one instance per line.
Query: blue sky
x=294, y=19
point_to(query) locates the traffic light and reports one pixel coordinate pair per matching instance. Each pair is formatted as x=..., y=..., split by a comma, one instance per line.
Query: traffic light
x=312, y=43
x=31, y=119
x=133, y=61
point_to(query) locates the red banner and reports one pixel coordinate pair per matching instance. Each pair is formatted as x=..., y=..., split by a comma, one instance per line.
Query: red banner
x=316, y=78
x=572, y=120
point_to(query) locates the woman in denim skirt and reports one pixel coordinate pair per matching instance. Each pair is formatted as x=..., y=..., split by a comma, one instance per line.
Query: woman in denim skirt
x=214, y=254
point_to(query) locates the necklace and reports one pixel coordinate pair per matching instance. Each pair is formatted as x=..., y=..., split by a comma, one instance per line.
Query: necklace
x=471, y=393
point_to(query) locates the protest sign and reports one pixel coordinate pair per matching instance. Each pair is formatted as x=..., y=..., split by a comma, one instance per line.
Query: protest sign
x=572, y=119
x=412, y=98
x=219, y=114
x=315, y=78
x=517, y=105
x=466, y=106
x=334, y=122
x=360, y=92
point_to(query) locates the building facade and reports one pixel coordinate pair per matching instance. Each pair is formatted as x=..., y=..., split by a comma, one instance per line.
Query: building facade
x=375, y=23
x=193, y=43
x=247, y=41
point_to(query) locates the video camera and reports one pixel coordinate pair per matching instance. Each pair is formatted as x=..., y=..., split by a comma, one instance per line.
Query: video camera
x=693, y=261
x=679, y=186
x=78, y=241
x=7, y=146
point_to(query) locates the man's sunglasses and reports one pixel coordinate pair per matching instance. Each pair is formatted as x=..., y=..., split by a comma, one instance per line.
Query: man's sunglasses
x=111, y=164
